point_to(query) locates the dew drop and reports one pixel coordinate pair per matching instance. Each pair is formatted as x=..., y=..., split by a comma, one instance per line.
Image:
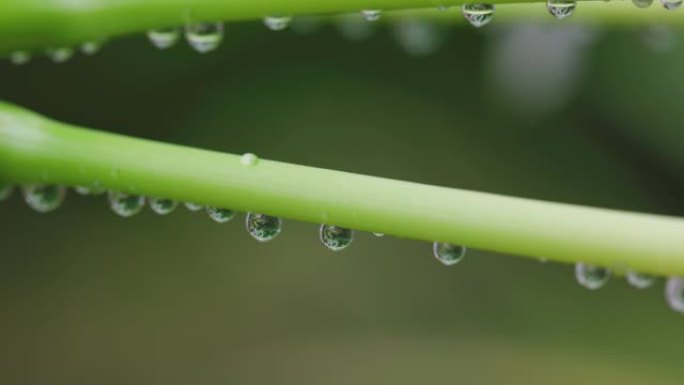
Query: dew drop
x=478, y=15
x=89, y=190
x=91, y=47
x=674, y=293
x=44, y=198
x=447, y=253
x=671, y=5
x=642, y=3
x=5, y=191
x=371, y=14
x=262, y=227
x=162, y=206
x=20, y=57
x=561, y=9
x=164, y=38
x=590, y=276
x=220, y=215
x=193, y=206
x=379, y=235
x=125, y=205
x=204, y=37
x=336, y=238
x=640, y=281
x=60, y=55
x=249, y=159
x=277, y=23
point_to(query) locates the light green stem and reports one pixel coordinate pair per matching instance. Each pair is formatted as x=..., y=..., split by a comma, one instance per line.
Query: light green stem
x=36, y=149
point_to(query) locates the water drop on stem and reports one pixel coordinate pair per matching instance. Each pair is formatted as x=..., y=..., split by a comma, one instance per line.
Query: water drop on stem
x=44, y=198
x=478, y=15
x=163, y=206
x=125, y=205
x=336, y=238
x=204, y=37
x=220, y=215
x=591, y=277
x=263, y=227
x=447, y=253
x=164, y=38
x=277, y=23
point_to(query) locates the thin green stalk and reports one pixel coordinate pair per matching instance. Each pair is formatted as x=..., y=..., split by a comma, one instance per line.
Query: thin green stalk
x=38, y=24
x=36, y=149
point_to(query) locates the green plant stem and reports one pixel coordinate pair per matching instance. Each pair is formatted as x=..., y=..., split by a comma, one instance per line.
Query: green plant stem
x=38, y=24
x=34, y=149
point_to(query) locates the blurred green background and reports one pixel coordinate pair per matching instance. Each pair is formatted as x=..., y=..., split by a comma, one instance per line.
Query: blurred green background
x=555, y=112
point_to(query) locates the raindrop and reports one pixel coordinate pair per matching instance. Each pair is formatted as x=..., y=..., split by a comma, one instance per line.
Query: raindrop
x=5, y=191
x=20, y=57
x=91, y=47
x=371, y=14
x=642, y=3
x=163, y=206
x=204, y=37
x=674, y=293
x=220, y=215
x=478, y=14
x=89, y=190
x=640, y=281
x=124, y=204
x=277, y=23
x=262, y=227
x=44, y=198
x=561, y=9
x=193, y=206
x=447, y=253
x=590, y=276
x=249, y=159
x=336, y=238
x=164, y=38
x=60, y=55
x=672, y=5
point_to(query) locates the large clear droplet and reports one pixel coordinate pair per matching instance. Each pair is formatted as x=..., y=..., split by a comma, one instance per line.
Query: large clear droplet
x=5, y=191
x=91, y=47
x=262, y=227
x=20, y=57
x=44, y=198
x=447, y=253
x=639, y=280
x=336, y=238
x=561, y=9
x=674, y=293
x=163, y=206
x=193, y=206
x=671, y=5
x=204, y=37
x=164, y=38
x=220, y=215
x=60, y=55
x=371, y=14
x=478, y=15
x=642, y=3
x=249, y=159
x=277, y=23
x=125, y=205
x=89, y=190
x=590, y=276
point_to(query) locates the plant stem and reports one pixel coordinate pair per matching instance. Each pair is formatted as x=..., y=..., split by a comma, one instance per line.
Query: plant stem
x=34, y=149
x=38, y=24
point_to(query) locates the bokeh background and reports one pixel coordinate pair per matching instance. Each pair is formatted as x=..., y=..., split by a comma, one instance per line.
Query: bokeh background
x=558, y=112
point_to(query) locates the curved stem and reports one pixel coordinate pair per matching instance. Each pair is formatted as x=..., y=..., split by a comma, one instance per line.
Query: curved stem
x=36, y=149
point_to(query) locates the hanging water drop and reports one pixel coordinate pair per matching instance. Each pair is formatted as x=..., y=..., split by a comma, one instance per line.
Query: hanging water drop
x=379, y=235
x=478, y=15
x=371, y=14
x=5, y=191
x=163, y=206
x=220, y=215
x=60, y=55
x=590, y=276
x=561, y=9
x=193, y=206
x=89, y=190
x=642, y=3
x=447, y=253
x=204, y=37
x=640, y=281
x=164, y=38
x=674, y=293
x=44, y=198
x=91, y=47
x=249, y=159
x=20, y=57
x=124, y=204
x=262, y=227
x=672, y=5
x=336, y=238
x=277, y=23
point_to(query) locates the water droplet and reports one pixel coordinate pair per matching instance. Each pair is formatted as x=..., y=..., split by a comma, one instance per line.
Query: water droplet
x=379, y=235
x=371, y=14
x=642, y=3
x=561, y=9
x=249, y=159
x=193, y=206
x=44, y=198
x=590, y=276
x=674, y=293
x=5, y=191
x=640, y=281
x=671, y=5
x=89, y=190
x=447, y=253
x=125, y=205
x=220, y=215
x=277, y=23
x=60, y=55
x=20, y=57
x=164, y=38
x=478, y=15
x=336, y=238
x=204, y=37
x=262, y=227
x=163, y=206
x=91, y=47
